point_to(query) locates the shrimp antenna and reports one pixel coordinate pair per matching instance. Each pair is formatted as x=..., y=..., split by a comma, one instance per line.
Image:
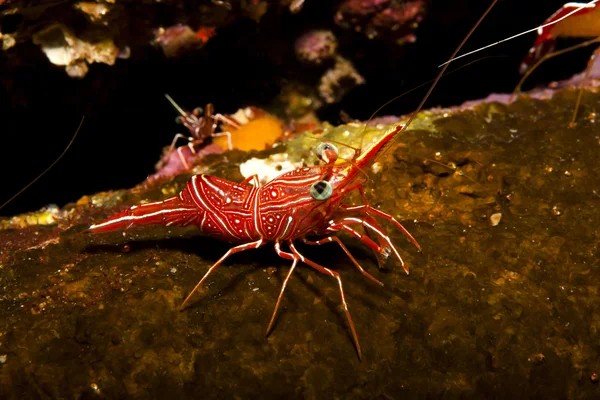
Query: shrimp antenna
x=584, y=5
x=324, y=140
x=358, y=168
x=176, y=106
x=437, y=79
x=49, y=167
x=356, y=153
x=433, y=85
x=387, y=103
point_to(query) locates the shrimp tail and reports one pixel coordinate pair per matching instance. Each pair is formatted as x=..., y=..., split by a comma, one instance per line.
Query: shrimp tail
x=172, y=211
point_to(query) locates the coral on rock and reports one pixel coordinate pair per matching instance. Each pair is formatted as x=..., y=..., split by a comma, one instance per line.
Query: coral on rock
x=95, y=12
x=68, y=41
x=173, y=163
x=63, y=48
x=255, y=130
x=179, y=39
x=319, y=49
x=338, y=80
x=396, y=19
x=315, y=47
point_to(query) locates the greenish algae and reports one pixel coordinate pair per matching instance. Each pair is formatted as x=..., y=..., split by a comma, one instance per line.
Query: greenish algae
x=502, y=302
x=353, y=136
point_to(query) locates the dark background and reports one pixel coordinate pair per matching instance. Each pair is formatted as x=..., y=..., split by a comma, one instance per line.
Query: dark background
x=128, y=121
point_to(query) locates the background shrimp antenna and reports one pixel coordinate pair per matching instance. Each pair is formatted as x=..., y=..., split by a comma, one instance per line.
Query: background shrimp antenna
x=393, y=99
x=176, y=106
x=437, y=79
x=433, y=85
x=49, y=167
x=537, y=28
x=387, y=103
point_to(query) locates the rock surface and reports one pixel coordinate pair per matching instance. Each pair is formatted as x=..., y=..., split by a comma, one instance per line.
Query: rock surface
x=502, y=302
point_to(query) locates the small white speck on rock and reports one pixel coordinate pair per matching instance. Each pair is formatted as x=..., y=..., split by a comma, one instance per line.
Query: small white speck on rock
x=377, y=167
x=495, y=218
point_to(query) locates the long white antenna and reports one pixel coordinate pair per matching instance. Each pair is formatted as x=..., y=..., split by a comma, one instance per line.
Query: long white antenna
x=183, y=113
x=49, y=167
x=582, y=6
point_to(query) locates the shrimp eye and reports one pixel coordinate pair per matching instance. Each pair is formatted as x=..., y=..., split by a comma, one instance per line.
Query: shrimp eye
x=321, y=190
x=179, y=120
x=198, y=111
x=327, y=152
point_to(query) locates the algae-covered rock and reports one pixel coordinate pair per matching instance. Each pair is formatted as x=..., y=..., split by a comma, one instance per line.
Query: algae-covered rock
x=503, y=301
